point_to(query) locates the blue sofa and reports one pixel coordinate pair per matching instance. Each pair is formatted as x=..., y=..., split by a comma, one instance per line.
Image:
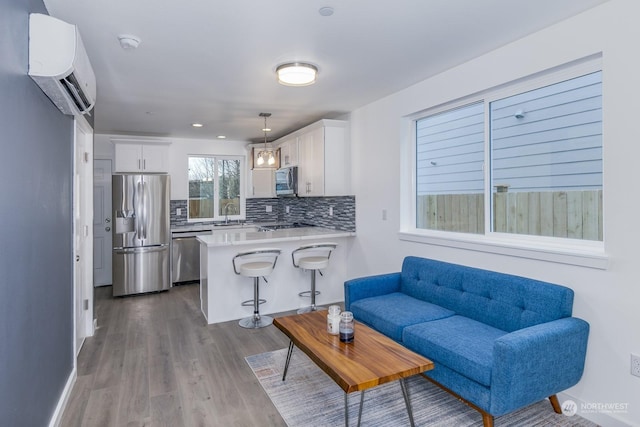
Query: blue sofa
x=499, y=342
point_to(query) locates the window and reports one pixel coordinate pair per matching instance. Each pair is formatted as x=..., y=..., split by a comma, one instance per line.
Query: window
x=449, y=172
x=544, y=151
x=215, y=185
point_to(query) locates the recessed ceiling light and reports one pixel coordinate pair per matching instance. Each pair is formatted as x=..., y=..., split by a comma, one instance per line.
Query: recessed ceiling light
x=297, y=74
x=197, y=125
x=221, y=136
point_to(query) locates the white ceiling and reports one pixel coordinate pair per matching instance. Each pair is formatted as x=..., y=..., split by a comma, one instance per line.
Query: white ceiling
x=213, y=61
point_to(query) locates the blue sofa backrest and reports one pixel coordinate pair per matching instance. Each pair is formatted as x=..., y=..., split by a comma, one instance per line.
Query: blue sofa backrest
x=501, y=300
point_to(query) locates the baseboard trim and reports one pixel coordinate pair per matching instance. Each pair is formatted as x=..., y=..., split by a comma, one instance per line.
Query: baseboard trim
x=56, y=419
x=599, y=417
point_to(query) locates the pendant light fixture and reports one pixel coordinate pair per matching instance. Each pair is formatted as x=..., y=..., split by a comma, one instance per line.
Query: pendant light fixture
x=266, y=153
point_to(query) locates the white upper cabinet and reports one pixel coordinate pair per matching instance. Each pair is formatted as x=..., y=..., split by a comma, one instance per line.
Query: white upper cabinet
x=141, y=156
x=311, y=167
x=322, y=154
x=263, y=183
x=289, y=152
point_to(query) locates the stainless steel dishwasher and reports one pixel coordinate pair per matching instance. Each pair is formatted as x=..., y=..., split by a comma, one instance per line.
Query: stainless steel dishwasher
x=185, y=255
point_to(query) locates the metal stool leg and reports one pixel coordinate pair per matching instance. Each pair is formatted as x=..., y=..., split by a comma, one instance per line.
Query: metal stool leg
x=312, y=293
x=313, y=290
x=256, y=321
x=256, y=299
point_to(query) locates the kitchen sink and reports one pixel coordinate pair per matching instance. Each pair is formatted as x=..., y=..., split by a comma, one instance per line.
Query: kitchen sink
x=283, y=226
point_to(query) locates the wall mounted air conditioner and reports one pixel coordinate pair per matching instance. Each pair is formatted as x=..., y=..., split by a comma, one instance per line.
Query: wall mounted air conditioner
x=59, y=64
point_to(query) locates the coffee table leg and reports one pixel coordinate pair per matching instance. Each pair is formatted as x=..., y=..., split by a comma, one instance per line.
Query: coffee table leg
x=407, y=401
x=360, y=410
x=286, y=365
x=346, y=409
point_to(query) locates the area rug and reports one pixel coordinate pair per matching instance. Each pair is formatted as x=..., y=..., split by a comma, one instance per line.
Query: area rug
x=309, y=397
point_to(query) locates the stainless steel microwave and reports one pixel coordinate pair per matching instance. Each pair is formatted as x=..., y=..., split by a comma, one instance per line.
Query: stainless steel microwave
x=287, y=181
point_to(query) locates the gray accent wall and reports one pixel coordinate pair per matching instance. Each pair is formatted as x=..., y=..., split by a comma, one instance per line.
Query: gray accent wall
x=36, y=289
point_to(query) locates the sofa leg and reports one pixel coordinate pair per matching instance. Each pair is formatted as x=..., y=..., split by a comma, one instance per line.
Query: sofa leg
x=556, y=405
x=487, y=420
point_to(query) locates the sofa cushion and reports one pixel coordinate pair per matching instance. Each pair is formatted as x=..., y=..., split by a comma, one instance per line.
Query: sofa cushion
x=462, y=344
x=501, y=300
x=390, y=313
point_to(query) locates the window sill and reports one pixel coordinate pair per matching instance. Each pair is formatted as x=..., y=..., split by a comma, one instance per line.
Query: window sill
x=585, y=254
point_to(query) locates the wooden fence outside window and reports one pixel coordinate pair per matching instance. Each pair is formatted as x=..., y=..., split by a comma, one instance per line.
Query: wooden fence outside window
x=568, y=214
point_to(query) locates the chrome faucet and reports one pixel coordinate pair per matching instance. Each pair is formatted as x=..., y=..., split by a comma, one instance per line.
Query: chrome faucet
x=226, y=212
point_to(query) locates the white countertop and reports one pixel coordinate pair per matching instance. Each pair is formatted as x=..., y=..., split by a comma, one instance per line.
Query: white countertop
x=243, y=237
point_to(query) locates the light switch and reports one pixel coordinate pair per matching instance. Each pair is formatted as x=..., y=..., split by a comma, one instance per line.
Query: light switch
x=178, y=211
x=269, y=208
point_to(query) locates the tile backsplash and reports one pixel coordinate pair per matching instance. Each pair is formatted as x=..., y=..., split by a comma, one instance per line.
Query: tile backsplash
x=176, y=219
x=338, y=212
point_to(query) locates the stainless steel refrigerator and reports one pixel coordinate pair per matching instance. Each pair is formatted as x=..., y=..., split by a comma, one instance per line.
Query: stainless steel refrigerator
x=141, y=233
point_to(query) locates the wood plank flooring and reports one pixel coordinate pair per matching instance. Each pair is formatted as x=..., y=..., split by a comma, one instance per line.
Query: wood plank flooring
x=154, y=361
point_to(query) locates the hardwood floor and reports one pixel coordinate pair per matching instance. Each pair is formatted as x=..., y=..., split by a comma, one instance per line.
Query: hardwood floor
x=154, y=361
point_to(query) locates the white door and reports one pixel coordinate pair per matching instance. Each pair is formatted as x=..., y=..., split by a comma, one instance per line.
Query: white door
x=102, y=223
x=83, y=244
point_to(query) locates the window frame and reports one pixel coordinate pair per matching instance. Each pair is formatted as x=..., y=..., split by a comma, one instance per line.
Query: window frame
x=216, y=188
x=586, y=253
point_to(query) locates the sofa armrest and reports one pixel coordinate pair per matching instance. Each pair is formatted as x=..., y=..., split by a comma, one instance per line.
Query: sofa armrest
x=536, y=362
x=370, y=286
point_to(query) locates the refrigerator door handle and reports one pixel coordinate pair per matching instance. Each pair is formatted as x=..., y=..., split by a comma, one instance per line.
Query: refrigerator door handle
x=141, y=249
x=145, y=203
x=138, y=207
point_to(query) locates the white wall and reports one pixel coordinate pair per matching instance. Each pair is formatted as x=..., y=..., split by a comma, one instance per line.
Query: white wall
x=179, y=151
x=607, y=299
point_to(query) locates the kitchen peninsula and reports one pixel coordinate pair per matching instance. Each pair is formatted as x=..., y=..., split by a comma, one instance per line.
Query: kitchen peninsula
x=222, y=291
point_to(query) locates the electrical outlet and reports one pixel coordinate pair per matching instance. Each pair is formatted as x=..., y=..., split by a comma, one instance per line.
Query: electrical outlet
x=287, y=209
x=269, y=208
x=178, y=211
x=330, y=210
x=635, y=365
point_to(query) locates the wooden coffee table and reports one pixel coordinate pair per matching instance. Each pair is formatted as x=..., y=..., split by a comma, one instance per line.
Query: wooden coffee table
x=372, y=359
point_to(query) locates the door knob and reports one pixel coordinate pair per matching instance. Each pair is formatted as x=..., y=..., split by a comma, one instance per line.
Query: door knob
x=77, y=258
x=107, y=229
x=107, y=220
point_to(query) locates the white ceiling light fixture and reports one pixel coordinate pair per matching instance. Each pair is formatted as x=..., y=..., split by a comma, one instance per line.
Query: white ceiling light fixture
x=197, y=125
x=297, y=74
x=266, y=153
x=128, y=41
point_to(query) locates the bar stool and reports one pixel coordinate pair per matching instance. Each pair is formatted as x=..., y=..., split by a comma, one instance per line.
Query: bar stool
x=256, y=263
x=312, y=257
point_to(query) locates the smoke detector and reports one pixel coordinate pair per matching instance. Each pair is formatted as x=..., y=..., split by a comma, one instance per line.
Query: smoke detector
x=128, y=41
